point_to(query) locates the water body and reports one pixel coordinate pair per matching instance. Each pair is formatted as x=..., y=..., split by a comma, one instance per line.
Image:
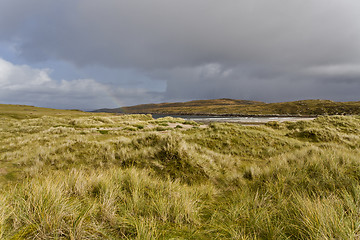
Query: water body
x=244, y=120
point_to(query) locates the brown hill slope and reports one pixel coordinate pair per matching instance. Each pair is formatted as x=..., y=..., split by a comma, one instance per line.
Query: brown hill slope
x=245, y=107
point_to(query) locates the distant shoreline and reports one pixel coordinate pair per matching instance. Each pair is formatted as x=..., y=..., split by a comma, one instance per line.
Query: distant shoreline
x=229, y=115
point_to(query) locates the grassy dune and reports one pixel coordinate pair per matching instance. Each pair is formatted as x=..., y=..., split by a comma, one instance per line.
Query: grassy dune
x=74, y=175
x=243, y=107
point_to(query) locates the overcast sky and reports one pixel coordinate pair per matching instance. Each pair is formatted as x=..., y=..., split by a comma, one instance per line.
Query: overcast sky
x=90, y=54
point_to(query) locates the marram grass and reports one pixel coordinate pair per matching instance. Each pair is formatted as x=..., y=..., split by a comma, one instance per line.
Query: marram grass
x=95, y=176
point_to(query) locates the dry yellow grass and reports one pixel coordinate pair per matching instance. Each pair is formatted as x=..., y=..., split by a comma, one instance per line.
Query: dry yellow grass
x=75, y=175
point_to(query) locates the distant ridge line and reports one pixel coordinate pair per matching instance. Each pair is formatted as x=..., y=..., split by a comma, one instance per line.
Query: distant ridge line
x=248, y=108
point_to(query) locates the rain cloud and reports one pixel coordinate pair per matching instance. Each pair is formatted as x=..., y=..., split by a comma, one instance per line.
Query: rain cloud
x=245, y=49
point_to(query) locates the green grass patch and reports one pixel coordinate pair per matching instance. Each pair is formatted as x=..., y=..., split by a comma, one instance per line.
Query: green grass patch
x=103, y=131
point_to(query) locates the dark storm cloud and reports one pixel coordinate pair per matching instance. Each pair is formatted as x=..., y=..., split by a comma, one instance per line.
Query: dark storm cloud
x=163, y=33
x=258, y=49
x=282, y=87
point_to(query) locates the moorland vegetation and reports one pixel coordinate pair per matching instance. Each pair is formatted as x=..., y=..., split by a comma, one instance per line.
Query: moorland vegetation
x=227, y=106
x=75, y=175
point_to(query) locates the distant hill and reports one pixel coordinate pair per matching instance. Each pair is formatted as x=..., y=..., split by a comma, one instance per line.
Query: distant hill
x=109, y=110
x=29, y=112
x=226, y=106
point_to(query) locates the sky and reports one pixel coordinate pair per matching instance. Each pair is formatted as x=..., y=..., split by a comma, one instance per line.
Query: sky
x=90, y=54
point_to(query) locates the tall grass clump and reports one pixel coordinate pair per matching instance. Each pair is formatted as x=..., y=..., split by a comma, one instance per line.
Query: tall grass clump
x=113, y=204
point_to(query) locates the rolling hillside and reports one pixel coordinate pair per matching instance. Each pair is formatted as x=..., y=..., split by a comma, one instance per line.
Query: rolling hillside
x=244, y=107
x=76, y=175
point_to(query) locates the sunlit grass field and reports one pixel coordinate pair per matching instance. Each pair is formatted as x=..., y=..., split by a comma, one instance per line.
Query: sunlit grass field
x=75, y=175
